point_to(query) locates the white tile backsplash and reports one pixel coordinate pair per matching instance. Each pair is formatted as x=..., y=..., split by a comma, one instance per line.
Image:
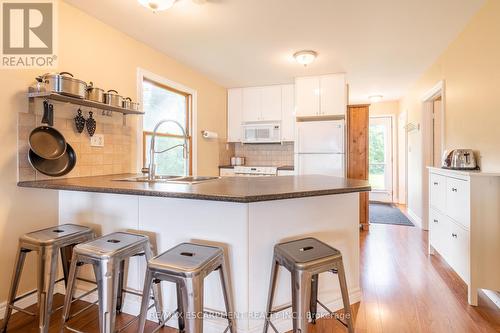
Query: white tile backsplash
x=266, y=154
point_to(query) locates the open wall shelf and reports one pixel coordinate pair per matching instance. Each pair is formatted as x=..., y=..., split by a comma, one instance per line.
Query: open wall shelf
x=82, y=102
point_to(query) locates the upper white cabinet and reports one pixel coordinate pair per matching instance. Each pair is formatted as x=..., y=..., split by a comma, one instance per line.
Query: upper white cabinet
x=307, y=96
x=234, y=114
x=324, y=95
x=333, y=95
x=271, y=103
x=288, y=112
x=252, y=104
x=262, y=103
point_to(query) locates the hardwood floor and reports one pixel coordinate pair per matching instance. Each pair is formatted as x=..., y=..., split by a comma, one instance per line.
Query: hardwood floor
x=404, y=290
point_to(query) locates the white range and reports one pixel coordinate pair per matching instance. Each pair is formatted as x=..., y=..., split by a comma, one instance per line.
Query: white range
x=252, y=171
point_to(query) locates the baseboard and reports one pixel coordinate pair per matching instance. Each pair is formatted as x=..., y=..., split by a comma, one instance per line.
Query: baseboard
x=414, y=218
x=494, y=296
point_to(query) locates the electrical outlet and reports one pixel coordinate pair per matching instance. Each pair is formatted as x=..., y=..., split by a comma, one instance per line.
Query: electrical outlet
x=97, y=140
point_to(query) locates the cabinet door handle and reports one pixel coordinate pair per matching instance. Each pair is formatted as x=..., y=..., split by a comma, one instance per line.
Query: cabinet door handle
x=436, y=221
x=454, y=190
x=454, y=235
x=436, y=183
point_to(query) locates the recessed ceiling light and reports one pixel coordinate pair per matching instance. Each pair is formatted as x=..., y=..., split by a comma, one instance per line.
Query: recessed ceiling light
x=157, y=5
x=305, y=57
x=375, y=98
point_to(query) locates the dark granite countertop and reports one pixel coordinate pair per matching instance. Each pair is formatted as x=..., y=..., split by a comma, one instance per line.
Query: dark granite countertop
x=284, y=167
x=232, y=189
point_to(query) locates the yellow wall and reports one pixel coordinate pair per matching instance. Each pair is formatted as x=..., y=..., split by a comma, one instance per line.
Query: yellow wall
x=470, y=67
x=384, y=108
x=97, y=52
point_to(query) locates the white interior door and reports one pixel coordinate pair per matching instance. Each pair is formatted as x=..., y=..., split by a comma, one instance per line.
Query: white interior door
x=380, y=159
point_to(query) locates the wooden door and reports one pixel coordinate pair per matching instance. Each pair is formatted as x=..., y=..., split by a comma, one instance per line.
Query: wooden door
x=357, y=157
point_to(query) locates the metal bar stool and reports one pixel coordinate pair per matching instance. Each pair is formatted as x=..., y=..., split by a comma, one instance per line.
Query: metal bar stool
x=47, y=243
x=305, y=259
x=107, y=255
x=187, y=265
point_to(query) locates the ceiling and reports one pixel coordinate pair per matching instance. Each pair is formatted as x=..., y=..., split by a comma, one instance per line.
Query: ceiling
x=382, y=45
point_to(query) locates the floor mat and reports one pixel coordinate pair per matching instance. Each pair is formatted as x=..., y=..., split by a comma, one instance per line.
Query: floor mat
x=387, y=214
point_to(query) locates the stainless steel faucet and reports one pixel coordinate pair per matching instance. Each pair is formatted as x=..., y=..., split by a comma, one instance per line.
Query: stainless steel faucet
x=151, y=170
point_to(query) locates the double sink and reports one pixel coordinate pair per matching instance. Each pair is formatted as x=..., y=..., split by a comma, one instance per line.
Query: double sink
x=169, y=179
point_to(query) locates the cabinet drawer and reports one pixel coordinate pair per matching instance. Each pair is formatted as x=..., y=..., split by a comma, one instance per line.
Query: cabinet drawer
x=437, y=192
x=459, y=250
x=439, y=232
x=457, y=201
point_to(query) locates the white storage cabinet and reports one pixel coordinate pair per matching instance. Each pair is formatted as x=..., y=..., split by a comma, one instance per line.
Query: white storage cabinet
x=464, y=225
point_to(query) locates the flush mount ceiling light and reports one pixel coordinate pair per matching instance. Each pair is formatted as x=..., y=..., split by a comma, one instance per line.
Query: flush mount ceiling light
x=157, y=5
x=305, y=57
x=375, y=98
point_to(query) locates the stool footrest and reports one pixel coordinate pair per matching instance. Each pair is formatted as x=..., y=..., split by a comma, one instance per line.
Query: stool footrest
x=332, y=314
x=272, y=325
x=22, y=310
x=23, y=296
x=133, y=320
x=281, y=308
x=132, y=292
x=82, y=310
x=284, y=307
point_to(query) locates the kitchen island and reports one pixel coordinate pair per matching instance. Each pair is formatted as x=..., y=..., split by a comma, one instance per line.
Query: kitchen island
x=247, y=216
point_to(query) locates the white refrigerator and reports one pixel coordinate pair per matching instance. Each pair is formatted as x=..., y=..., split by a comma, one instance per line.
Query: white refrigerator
x=320, y=148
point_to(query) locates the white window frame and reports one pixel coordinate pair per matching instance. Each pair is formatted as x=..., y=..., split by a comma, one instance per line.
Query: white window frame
x=142, y=75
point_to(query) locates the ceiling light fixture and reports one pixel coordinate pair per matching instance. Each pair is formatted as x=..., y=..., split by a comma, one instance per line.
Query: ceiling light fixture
x=305, y=57
x=157, y=5
x=375, y=98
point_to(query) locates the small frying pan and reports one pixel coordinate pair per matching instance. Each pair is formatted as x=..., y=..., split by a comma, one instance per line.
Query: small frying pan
x=45, y=141
x=55, y=167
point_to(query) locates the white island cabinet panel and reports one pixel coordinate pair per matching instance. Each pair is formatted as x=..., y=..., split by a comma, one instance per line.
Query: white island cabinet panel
x=104, y=213
x=175, y=221
x=248, y=231
x=327, y=218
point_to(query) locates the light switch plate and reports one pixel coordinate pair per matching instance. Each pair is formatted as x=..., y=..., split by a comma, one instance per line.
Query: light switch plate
x=97, y=140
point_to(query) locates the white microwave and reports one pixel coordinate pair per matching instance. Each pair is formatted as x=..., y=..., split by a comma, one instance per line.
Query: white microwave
x=262, y=133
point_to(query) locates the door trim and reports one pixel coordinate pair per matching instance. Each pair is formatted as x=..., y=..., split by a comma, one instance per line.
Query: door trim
x=438, y=90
